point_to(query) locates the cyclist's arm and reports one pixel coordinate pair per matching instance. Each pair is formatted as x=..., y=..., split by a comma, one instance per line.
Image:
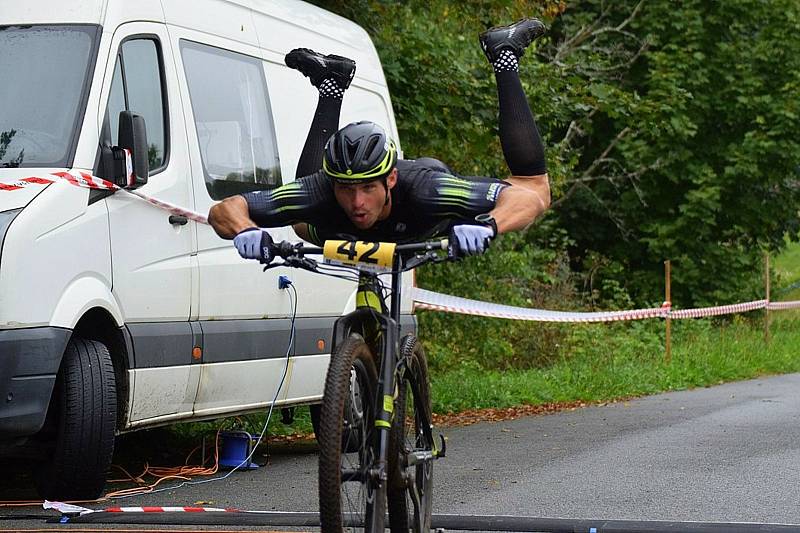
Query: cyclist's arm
x=300, y=201
x=517, y=206
x=230, y=216
x=514, y=203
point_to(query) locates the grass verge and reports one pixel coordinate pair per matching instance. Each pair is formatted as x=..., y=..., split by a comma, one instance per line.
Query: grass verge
x=609, y=361
x=602, y=362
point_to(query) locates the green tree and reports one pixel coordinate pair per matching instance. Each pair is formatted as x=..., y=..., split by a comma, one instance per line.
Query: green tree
x=671, y=127
x=708, y=140
x=671, y=133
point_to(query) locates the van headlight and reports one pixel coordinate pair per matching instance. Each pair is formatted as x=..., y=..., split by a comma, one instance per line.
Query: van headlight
x=6, y=217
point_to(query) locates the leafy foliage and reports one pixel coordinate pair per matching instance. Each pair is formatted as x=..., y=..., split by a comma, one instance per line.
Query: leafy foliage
x=671, y=133
x=709, y=137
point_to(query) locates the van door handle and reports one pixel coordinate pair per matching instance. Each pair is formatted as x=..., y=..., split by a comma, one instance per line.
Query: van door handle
x=178, y=219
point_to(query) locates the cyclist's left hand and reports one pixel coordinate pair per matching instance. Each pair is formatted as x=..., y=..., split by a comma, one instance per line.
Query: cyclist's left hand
x=469, y=239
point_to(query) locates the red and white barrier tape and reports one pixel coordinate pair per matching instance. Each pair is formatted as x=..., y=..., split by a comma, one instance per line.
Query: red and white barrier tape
x=441, y=302
x=167, y=510
x=86, y=180
x=432, y=300
x=781, y=306
x=719, y=310
x=67, y=508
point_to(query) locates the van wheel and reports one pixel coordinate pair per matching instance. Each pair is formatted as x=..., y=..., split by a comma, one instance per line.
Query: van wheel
x=85, y=404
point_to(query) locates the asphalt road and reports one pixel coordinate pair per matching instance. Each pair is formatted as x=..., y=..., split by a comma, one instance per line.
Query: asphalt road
x=729, y=453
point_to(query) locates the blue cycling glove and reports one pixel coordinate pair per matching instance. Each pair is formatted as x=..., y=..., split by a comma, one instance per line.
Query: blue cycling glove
x=254, y=243
x=469, y=239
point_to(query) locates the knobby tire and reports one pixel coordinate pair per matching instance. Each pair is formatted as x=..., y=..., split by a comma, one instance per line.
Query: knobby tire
x=346, y=440
x=415, y=433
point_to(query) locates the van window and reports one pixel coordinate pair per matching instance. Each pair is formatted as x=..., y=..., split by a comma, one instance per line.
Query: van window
x=137, y=86
x=45, y=82
x=230, y=103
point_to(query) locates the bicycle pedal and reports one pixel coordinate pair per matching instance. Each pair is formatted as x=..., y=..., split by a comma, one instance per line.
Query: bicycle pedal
x=443, y=451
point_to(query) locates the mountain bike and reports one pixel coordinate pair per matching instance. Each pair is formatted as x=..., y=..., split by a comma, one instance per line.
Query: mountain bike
x=376, y=441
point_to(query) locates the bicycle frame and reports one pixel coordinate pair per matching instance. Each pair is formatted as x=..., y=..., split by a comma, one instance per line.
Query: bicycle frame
x=382, y=333
x=379, y=327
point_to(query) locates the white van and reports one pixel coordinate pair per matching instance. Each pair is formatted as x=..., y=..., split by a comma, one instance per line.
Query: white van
x=114, y=314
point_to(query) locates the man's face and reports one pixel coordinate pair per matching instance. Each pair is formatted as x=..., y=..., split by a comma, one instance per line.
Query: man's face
x=365, y=203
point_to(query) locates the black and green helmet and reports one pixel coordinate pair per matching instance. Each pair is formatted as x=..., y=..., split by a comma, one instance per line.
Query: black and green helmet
x=359, y=152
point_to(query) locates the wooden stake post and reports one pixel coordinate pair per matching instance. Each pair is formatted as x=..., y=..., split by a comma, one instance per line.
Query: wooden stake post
x=767, y=318
x=668, y=321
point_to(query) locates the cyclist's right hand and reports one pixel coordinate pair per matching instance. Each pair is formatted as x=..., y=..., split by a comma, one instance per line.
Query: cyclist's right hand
x=254, y=243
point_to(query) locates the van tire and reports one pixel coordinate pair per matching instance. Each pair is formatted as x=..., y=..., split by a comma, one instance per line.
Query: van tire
x=85, y=399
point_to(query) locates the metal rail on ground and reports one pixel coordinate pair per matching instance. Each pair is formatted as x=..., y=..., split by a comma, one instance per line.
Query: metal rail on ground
x=439, y=521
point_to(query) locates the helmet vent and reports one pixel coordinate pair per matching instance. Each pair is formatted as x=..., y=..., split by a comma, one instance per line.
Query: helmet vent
x=371, y=144
x=351, y=148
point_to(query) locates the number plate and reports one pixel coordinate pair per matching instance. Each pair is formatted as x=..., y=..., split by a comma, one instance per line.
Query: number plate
x=368, y=255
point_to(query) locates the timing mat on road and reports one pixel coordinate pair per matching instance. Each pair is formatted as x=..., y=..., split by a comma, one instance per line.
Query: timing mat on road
x=143, y=530
x=439, y=521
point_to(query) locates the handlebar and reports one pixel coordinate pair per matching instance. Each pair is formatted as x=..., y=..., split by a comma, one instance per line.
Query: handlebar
x=286, y=249
x=411, y=255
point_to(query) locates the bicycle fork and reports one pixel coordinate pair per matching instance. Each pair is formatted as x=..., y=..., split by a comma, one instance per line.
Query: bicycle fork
x=384, y=410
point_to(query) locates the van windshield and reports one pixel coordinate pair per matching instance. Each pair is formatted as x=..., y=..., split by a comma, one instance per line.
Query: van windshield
x=43, y=92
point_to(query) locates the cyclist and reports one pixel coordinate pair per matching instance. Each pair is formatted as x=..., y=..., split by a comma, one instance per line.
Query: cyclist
x=364, y=192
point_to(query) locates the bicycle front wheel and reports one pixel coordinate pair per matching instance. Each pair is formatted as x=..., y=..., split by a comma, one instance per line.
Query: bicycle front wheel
x=348, y=494
x=411, y=445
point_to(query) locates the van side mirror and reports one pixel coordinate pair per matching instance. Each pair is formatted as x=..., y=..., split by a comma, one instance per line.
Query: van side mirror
x=133, y=137
x=128, y=172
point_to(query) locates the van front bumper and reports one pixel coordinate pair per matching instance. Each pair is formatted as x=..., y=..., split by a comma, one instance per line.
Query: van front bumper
x=29, y=361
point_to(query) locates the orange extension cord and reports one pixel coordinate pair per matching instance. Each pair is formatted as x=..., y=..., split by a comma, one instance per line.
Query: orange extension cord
x=160, y=473
x=164, y=473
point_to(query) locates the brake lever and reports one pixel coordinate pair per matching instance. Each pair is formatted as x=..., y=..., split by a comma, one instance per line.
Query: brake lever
x=428, y=257
x=301, y=262
x=309, y=264
x=273, y=265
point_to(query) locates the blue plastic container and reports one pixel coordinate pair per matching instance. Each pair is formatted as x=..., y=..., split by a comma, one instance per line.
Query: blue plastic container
x=236, y=447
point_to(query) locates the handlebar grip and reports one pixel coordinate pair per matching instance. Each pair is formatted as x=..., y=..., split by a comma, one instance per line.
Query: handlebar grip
x=282, y=249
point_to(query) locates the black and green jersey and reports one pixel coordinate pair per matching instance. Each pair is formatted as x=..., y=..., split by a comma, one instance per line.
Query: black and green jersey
x=427, y=201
